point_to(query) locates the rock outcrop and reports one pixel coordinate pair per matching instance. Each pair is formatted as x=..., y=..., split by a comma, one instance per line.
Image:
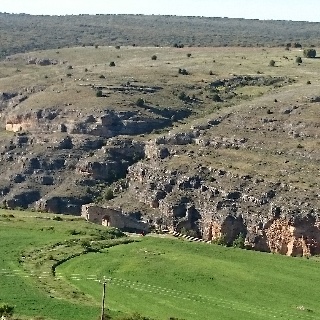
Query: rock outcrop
x=107, y=125
x=42, y=62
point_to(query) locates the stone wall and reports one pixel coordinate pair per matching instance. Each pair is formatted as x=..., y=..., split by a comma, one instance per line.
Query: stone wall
x=111, y=217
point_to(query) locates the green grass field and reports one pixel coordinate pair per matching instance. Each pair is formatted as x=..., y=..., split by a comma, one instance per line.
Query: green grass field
x=156, y=277
x=24, y=288
x=165, y=278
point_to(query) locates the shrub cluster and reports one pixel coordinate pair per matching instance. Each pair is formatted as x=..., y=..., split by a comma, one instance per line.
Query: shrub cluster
x=178, y=45
x=183, y=71
x=57, y=218
x=216, y=98
x=239, y=241
x=182, y=96
x=6, y=310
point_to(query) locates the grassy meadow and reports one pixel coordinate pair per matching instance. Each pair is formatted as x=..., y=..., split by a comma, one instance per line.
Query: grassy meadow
x=165, y=278
x=27, y=289
x=47, y=272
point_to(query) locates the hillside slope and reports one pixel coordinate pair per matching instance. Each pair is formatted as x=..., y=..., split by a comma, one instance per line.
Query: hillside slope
x=23, y=33
x=211, y=141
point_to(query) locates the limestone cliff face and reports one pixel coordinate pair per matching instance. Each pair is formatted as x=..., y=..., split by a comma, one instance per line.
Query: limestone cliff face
x=292, y=237
x=249, y=170
x=108, y=124
x=59, y=172
x=215, y=203
x=37, y=121
x=20, y=123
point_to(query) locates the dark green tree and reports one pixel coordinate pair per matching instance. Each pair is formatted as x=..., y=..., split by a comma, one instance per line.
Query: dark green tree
x=109, y=194
x=183, y=71
x=216, y=98
x=296, y=45
x=182, y=96
x=140, y=102
x=272, y=63
x=309, y=53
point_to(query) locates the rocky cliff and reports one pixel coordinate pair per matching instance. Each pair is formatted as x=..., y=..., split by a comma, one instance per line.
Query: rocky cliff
x=200, y=182
x=218, y=204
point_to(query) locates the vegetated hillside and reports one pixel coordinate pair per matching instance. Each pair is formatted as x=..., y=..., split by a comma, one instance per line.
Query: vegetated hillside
x=212, y=142
x=22, y=33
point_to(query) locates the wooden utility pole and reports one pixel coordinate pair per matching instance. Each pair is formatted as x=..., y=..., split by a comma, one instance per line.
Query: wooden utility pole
x=103, y=300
